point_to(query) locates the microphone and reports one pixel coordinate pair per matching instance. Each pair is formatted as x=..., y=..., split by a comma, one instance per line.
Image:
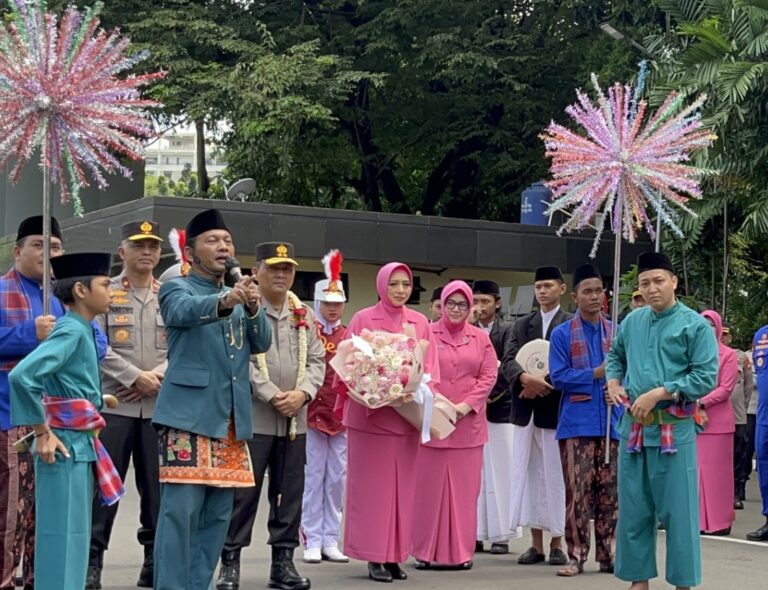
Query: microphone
x=234, y=272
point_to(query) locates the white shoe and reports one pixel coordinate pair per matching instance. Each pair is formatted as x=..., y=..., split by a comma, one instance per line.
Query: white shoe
x=312, y=555
x=332, y=553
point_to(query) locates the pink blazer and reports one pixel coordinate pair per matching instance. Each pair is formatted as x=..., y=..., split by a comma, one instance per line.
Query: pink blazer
x=468, y=371
x=717, y=403
x=387, y=420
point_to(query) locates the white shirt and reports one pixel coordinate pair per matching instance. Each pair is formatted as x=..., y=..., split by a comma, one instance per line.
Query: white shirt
x=546, y=320
x=487, y=328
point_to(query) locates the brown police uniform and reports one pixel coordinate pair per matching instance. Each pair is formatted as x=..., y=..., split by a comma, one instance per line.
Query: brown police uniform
x=136, y=336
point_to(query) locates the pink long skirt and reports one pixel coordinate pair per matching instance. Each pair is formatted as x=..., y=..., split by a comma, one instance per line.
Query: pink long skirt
x=445, y=509
x=715, y=455
x=378, y=511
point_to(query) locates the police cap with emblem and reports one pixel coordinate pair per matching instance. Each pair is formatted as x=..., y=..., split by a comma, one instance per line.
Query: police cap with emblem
x=81, y=264
x=33, y=226
x=276, y=253
x=208, y=220
x=135, y=231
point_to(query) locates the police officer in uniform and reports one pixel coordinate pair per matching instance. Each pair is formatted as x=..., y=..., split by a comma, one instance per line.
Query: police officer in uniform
x=132, y=371
x=284, y=381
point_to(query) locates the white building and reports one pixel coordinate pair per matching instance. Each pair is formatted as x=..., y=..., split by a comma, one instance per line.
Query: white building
x=168, y=155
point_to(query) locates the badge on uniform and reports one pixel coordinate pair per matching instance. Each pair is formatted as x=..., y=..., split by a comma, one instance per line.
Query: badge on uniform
x=122, y=335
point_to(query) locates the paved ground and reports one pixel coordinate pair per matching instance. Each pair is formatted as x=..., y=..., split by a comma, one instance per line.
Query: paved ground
x=729, y=563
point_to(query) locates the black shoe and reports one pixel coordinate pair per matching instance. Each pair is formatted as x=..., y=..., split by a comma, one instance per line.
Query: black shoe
x=93, y=578
x=720, y=533
x=530, y=557
x=479, y=547
x=283, y=574
x=760, y=534
x=422, y=565
x=738, y=504
x=229, y=572
x=396, y=571
x=467, y=565
x=378, y=573
x=499, y=548
x=557, y=557
x=147, y=572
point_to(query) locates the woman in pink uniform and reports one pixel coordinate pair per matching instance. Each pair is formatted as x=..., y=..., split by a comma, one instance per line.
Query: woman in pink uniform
x=381, y=446
x=448, y=470
x=714, y=446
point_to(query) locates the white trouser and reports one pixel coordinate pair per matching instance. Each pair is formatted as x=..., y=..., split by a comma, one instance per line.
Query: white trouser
x=538, y=488
x=324, y=477
x=494, y=502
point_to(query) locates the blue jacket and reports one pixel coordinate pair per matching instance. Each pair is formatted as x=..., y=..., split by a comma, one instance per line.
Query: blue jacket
x=207, y=380
x=17, y=330
x=579, y=418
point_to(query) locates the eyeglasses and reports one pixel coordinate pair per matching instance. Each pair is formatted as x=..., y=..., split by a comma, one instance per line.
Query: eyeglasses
x=460, y=305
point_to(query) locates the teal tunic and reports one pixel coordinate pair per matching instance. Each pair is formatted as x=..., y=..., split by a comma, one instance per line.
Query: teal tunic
x=675, y=349
x=207, y=383
x=207, y=380
x=64, y=365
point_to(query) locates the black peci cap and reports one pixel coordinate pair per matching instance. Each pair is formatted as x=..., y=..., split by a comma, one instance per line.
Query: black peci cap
x=205, y=221
x=486, y=288
x=585, y=271
x=33, y=226
x=436, y=294
x=548, y=273
x=81, y=264
x=653, y=261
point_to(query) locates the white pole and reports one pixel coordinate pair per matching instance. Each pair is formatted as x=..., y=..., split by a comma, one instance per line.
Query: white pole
x=46, y=240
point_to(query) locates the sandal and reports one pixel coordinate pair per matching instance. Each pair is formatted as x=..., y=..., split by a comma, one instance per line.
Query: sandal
x=574, y=568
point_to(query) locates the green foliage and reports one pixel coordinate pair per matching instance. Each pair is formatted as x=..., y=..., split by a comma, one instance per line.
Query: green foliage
x=430, y=106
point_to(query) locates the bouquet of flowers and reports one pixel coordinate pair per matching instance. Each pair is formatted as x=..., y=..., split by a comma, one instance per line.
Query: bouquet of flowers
x=380, y=368
x=385, y=369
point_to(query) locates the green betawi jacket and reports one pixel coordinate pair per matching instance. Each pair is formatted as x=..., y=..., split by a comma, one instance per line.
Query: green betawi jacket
x=207, y=380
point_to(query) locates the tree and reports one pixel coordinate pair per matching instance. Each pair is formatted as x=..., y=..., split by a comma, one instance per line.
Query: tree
x=432, y=106
x=198, y=43
x=721, y=47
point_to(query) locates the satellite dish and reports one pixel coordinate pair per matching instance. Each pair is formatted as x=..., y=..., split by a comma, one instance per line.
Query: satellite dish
x=240, y=190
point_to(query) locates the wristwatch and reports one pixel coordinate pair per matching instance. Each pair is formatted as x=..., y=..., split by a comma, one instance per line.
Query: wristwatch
x=223, y=300
x=307, y=398
x=675, y=397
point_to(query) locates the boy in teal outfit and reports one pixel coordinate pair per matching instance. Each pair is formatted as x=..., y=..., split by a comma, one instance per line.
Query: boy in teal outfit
x=56, y=389
x=666, y=354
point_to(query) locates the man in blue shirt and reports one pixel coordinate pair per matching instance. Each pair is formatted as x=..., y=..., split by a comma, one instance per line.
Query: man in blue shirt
x=760, y=358
x=576, y=365
x=23, y=325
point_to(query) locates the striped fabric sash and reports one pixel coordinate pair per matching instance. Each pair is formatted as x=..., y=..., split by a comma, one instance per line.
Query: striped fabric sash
x=81, y=415
x=666, y=419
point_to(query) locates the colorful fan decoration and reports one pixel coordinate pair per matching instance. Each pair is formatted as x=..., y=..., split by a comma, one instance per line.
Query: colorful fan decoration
x=623, y=162
x=60, y=92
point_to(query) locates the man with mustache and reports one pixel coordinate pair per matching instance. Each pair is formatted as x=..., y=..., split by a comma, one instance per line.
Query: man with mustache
x=284, y=380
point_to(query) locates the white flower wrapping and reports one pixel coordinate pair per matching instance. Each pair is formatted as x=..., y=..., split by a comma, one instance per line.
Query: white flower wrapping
x=385, y=369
